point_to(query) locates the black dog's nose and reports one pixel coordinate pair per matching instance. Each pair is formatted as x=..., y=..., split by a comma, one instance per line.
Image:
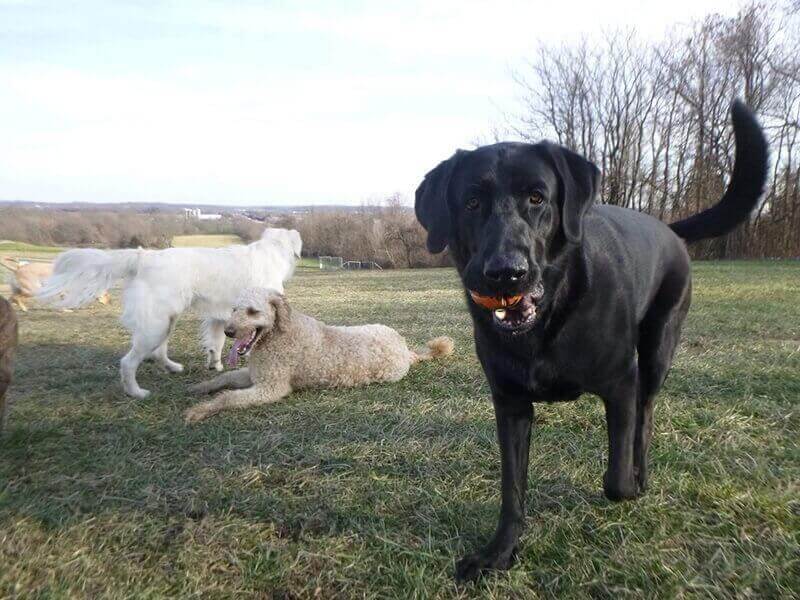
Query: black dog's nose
x=229, y=331
x=506, y=268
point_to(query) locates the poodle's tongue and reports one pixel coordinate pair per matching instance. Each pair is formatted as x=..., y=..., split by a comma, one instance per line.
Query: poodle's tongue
x=233, y=355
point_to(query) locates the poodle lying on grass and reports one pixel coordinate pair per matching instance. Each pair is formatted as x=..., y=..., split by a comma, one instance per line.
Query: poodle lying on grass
x=292, y=351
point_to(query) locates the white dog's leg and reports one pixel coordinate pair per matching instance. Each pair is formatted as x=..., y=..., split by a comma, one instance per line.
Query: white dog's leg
x=160, y=354
x=127, y=370
x=238, y=379
x=213, y=333
x=145, y=343
x=252, y=396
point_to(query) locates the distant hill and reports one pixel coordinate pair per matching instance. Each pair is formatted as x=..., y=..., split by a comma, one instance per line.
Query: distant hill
x=160, y=207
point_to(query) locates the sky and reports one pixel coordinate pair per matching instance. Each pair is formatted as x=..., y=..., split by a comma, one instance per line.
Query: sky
x=268, y=103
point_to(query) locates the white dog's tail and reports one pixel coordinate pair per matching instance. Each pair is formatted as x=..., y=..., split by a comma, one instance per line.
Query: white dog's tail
x=436, y=348
x=80, y=276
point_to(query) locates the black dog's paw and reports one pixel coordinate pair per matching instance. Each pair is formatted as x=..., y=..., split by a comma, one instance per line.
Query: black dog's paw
x=471, y=567
x=617, y=489
x=641, y=481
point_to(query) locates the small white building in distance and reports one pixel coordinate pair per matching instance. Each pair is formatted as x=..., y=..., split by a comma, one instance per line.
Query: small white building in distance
x=196, y=213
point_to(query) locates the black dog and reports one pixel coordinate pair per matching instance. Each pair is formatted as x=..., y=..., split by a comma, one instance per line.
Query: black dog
x=589, y=298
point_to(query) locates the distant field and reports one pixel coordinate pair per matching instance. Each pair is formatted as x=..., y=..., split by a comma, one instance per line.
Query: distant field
x=374, y=492
x=23, y=250
x=309, y=263
x=205, y=241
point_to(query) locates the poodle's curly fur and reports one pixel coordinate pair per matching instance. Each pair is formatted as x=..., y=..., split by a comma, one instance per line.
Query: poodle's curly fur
x=292, y=351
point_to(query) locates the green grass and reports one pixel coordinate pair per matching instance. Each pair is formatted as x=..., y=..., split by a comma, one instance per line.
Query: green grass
x=205, y=241
x=28, y=251
x=23, y=247
x=373, y=492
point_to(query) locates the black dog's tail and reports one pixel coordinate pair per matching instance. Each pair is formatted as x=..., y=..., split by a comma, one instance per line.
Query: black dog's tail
x=746, y=185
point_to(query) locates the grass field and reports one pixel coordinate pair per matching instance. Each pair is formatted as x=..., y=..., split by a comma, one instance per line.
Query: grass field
x=373, y=492
x=28, y=251
x=205, y=241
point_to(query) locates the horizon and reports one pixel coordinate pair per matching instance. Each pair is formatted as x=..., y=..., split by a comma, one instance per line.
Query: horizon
x=250, y=105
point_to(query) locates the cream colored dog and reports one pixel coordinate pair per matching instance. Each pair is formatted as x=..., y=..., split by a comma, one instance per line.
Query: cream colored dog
x=27, y=279
x=292, y=351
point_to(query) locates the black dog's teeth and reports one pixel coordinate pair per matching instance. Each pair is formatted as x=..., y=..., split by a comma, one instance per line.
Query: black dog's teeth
x=521, y=314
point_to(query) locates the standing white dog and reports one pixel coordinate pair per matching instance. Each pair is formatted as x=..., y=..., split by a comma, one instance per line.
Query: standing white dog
x=161, y=284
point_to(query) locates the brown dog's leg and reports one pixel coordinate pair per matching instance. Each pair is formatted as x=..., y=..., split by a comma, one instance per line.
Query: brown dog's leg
x=8, y=350
x=514, y=434
x=17, y=300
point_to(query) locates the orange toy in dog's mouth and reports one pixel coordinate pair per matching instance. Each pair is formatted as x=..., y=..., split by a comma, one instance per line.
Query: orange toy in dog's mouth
x=495, y=302
x=515, y=313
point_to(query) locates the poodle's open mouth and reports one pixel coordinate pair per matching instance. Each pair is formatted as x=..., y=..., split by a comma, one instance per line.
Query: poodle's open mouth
x=243, y=346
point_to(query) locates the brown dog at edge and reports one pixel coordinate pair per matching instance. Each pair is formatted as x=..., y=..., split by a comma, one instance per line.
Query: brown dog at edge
x=8, y=350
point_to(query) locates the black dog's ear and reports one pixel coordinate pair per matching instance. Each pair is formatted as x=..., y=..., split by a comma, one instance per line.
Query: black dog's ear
x=431, y=203
x=580, y=183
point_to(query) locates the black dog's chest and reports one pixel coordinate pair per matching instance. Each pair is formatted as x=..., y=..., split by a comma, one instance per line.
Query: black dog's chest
x=537, y=377
x=545, y=382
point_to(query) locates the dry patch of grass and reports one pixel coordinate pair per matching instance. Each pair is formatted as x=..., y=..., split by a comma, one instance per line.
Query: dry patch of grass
x=205, y=241
x=375, y=491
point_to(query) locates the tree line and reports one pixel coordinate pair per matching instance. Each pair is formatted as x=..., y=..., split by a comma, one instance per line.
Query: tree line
x=654, y=116
x=111, y=229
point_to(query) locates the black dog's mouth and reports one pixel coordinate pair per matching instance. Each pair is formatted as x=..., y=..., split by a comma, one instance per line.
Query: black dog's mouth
x=518, y=313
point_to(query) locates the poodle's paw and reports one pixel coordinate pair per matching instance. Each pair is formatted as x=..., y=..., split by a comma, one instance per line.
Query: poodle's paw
x=197, y=413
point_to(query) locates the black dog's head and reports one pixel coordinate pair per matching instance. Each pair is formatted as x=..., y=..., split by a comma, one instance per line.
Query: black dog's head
x=506, y=211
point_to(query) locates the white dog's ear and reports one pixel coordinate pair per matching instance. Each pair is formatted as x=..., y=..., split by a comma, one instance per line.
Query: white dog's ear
x=297, y=242
x=282, y=311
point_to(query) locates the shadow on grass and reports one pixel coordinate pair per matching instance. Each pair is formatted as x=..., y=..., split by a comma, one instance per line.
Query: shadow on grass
x=284, y=469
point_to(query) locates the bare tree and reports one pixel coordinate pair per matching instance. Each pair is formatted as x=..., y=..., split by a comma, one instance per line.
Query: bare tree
x=655, y=118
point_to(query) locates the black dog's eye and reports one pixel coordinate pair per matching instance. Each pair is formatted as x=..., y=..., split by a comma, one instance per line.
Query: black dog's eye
x=536, y=198
x=472, y=203
x=252, y=312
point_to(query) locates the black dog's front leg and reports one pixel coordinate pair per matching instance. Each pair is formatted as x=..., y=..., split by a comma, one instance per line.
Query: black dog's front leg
x=514, y=435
